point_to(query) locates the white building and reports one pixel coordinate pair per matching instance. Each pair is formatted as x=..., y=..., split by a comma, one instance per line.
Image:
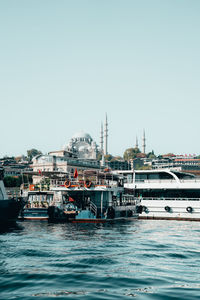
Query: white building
x=82, y=145
x=80, y=153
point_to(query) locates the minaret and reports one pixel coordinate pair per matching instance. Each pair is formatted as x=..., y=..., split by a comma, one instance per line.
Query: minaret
x=101, y=138
x=136, y=144
x=143, y=143
x=106, y=137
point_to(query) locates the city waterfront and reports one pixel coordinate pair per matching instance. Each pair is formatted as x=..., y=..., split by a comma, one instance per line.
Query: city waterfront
x=141, y=259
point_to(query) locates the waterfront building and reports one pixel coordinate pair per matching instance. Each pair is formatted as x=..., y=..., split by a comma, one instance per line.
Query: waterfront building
x=119, y=165
x=80, y=153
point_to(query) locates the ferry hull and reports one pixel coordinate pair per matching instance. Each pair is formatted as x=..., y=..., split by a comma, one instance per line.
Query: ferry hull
x=34, y=214
x=104, y=220
x=168, y=218
x=179, y=209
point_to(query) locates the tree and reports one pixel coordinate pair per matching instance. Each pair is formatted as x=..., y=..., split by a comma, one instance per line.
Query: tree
x=32, y=152
x=10, y=181
x=151, y=155
x=99, y=156
x=16, y=181
x=131, y=153
x=108, y=157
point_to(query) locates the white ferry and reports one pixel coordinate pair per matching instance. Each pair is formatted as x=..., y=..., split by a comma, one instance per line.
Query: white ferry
x=165, y=193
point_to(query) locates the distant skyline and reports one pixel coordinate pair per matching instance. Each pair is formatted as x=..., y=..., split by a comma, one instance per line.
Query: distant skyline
x=65, y=64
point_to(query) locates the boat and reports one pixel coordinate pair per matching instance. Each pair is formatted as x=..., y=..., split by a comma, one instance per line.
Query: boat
x=97, y=197
x=9, y=207
x=38, y=197
x=36, y=205
x=168, y=194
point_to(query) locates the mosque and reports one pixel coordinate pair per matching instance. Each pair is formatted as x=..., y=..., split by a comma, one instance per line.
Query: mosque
x=81, y=153
x=83, y=146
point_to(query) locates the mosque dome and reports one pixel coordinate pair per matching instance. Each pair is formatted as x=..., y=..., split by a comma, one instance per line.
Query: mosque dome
x=82, y=135
x=83, y=145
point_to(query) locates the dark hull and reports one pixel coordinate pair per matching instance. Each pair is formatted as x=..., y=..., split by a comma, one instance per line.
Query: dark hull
x=9, y=210
x=58, y=215
x=34, y=214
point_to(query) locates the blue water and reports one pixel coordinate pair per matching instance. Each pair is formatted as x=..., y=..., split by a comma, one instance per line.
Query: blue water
x=137, y=260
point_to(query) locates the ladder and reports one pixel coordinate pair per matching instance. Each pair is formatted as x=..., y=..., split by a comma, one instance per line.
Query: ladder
x=93, y=208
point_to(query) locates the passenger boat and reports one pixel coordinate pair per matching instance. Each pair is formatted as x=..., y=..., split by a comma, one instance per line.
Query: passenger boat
x=168, y=194
x=37, y=202
x=98, y=197
x=9, y=207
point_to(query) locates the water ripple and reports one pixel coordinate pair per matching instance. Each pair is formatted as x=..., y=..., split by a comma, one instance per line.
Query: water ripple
x=141, y=259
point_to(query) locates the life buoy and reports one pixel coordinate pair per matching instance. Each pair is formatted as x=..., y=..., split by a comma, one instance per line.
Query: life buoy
x=167, y=208
x=67, y=183
x=87, y=184
x=189, y=209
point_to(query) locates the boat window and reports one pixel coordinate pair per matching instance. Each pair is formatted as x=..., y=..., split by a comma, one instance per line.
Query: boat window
x=184, y=175
x=153, y=176
x=49, y=198
x=140, y=177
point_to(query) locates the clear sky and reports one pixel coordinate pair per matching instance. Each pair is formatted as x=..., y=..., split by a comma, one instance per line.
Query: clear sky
x=64, y=64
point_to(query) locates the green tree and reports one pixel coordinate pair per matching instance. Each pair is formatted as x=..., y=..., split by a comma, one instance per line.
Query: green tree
x=10, y=181
x=131, y=153
x=32, y=152
x=151, y=155
x=108, y=157
x=16, y=181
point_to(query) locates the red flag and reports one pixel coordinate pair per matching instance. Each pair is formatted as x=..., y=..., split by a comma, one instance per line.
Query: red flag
x=75, y=173
x=71, y=199
x=39, y=171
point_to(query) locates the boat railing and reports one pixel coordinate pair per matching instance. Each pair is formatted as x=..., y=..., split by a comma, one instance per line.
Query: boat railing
x=167, y=181
x=169, y=199
x=93, y=208
x=126, y=200
x=80, y=183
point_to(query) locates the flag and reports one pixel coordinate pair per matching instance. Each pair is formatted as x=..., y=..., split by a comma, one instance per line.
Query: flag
x=71, y=199
x=75, y=173
x=31, y=187
x=39, y=171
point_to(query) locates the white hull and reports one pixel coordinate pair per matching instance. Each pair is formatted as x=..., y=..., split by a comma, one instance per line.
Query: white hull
x=180, y=209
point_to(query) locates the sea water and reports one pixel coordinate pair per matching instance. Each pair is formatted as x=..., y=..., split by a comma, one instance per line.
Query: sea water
x=142, y=259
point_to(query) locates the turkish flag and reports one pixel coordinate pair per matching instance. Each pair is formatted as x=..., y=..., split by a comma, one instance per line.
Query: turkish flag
x=71, y=199
x=75, y=173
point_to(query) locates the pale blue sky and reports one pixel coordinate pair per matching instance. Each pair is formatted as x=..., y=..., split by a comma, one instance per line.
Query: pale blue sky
x=64, y=64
